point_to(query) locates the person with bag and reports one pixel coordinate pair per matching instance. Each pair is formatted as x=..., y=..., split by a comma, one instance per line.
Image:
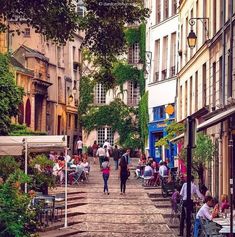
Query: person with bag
x=124, y=170
x=106, y=172
x=116, y=156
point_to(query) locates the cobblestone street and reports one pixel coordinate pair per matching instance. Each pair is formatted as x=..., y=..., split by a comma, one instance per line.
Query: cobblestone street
x=92, y=213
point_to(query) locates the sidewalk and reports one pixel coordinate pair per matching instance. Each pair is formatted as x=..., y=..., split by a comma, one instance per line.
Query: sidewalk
x=92, y=213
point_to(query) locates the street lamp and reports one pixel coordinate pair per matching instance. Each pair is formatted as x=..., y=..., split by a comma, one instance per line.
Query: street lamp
x=192, y=37
x=71, y=98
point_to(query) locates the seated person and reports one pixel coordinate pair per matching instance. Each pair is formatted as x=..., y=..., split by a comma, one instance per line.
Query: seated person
x=148, y=170
x=224, y=202
x=205, y=213
x=78, y=173
x=85, y=165
x=58, y=170
x=163, y=171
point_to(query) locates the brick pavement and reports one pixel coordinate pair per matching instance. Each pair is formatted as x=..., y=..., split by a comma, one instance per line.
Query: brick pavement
x=94, y=214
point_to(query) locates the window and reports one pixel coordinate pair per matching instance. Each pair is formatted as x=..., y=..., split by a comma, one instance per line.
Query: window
x=157, y=60
x=181, y=101
x=74, y=52
x=59, y=89
x=186, y=46
x=220, y=80
x=105, y=133
x=196, y=91
x=76, y=121
x=214, y=84
x=164, y=56
x=100, y=94
x=214, y=16
x=27, y=32
x=190, y=95
x=166, y=9
x=159, y=113
x=186, y=99
x=205, y=4
x=80, y=8
x=69, y=120
x=204, y=95
x=173, y=54
x=174, y=7
x=133, y=95
x=134, y=54
x=158, y=10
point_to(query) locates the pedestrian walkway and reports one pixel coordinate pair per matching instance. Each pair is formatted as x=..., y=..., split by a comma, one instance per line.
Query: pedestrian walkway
x=92, y=213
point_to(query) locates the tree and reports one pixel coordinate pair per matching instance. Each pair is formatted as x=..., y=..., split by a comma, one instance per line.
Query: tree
x=10, y=95
x=104, y=25
x=202, y=154
x=57, y=20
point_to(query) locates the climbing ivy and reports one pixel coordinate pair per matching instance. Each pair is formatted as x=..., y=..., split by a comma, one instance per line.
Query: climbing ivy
x=118, y=116
x=142, y=32
x=144, y=119
x=132, y=36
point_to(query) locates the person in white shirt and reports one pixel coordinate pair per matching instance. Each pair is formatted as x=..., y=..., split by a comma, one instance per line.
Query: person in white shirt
x=163, y=171
x=205, y=213
x=101, y=154
x=79, y=146
x=108, y=147
x=183, y=194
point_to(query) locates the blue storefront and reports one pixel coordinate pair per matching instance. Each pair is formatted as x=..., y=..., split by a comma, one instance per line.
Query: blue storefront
x=157, y=130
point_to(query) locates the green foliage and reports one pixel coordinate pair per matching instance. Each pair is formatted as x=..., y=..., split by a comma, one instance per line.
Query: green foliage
x=124, y=72
x=203, y=151
x=116, y=115
x=16, y=218
x=42, y=173
x=144, y=119
x=58, y=23
x=132, y=36
x=86, y=94
x=7, y=166
x=142, y=30
x=10, y=95
x=173, y=129
x=20, y=130
x=104, y=24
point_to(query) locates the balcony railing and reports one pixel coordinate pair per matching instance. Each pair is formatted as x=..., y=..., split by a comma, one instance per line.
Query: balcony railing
x=156, y=76
x=172, y=71
x=164, y=74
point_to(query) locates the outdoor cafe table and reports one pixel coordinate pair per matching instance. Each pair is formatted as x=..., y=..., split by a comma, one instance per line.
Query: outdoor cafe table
x=225, y=224
x=226, y=230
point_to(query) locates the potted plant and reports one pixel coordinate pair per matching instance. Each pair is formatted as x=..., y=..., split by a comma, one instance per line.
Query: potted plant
x=42, y=177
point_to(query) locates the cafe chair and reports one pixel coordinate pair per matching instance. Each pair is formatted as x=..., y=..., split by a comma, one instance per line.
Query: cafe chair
x=209, y=228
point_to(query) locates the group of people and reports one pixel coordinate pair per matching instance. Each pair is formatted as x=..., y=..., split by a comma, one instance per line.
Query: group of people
x=79, y=163
x=123, y=163
x=205, y=212
x=153, y=171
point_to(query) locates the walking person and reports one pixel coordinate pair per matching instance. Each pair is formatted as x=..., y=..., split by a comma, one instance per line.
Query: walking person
x=94, y=150
x=79, y=146
x=124, y=171
x=183, y=194
x=106, y=172
x=101, y=154
x=116, y=156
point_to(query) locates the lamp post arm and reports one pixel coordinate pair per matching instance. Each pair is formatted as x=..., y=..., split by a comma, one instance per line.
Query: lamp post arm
x=205, y=22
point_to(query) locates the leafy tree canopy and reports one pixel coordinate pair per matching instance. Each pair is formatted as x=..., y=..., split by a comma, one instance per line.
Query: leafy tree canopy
x=57, y=20
x=10, y=95
x=104, y=24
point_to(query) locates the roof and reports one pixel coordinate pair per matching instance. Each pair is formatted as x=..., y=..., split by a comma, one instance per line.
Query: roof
x=19, y=67
x=33, y=53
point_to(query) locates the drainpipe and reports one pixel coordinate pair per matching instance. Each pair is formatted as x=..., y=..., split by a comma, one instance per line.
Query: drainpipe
x=220, y=160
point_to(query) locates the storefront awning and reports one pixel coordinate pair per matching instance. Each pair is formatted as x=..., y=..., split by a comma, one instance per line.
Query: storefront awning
x=216, y=119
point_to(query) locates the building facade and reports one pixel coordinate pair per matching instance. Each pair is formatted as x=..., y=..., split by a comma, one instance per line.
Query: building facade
x=205, y=81
x=162, y=38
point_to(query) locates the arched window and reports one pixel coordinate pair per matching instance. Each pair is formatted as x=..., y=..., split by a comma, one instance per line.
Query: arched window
x=28, y=113
x=21, y=113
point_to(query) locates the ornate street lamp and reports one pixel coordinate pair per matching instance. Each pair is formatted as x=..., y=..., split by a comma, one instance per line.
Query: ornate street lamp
x=192, y=37
x=70, y=98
